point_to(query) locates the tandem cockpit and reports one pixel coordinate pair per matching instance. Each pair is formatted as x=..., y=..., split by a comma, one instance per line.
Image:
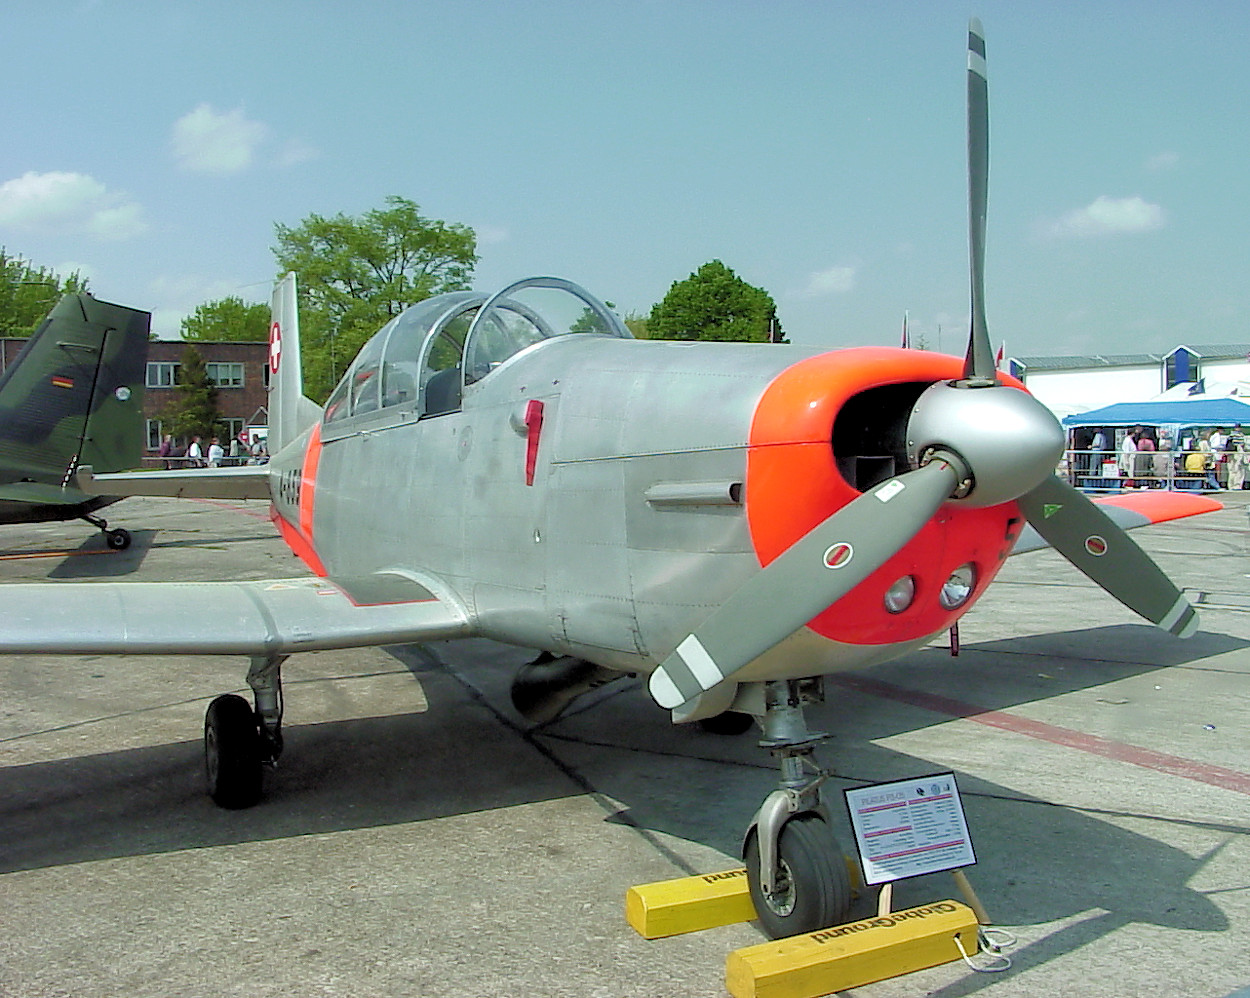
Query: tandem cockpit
x=425, y=361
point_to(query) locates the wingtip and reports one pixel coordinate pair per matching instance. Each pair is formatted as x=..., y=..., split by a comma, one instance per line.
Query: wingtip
x=664, y=691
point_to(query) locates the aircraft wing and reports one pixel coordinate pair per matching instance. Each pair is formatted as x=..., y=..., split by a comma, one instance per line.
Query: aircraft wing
x=248, y=481
x=1130, y=510
x=273, y=617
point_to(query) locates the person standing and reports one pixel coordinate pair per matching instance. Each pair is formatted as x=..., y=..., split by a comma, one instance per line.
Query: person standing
x=1208, y=460
x=1099, y=447
x=1128, y=455
x=1145, y=465
x=195, y=454
x=1236, y=450
x=215, y=453
x=166, y=449
x=1165, y=460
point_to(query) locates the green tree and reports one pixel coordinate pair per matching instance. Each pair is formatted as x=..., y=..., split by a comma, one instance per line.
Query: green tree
x=637, y=324
x=714, y=303
x=27, y=293
x=192, y=408
x=356, y=273
x=227, y=319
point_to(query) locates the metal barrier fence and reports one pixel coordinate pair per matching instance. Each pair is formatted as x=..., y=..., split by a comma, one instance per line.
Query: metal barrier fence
x=1105, y=471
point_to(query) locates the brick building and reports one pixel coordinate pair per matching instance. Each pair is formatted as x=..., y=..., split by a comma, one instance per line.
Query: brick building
x=241, y=371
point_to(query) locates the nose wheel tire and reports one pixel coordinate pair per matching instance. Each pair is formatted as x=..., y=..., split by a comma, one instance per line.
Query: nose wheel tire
x=812, y=890
x=232, y=752
x=118, y=538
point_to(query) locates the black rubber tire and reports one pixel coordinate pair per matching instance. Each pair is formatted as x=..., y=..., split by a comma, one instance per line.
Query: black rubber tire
x=118, y=539
x=814, y=891
x=731, y=722
x=232, y=752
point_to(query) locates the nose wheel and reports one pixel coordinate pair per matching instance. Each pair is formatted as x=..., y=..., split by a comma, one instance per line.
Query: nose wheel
x=796, y=872
x=810, y=886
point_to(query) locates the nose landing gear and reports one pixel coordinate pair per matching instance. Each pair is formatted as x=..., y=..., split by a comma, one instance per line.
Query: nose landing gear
x=795, y=868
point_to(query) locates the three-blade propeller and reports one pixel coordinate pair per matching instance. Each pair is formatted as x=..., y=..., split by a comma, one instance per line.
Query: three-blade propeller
x=974, y=441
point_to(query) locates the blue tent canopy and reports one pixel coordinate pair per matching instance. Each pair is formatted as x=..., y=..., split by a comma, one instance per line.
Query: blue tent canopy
x=1179, y=413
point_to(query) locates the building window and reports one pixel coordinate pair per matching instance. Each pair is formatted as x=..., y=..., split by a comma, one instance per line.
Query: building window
x=225, y=375
x=162, y=374
x=1181, y=366
x=154, y=432
x=233, y=428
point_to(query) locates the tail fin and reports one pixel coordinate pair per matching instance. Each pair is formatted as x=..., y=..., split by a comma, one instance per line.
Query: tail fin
x=290, y=413
x=75, y=392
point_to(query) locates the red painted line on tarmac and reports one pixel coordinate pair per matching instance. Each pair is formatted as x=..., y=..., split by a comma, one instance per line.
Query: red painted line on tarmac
x=1173, y=765
x=233, y=507
x=54, y=554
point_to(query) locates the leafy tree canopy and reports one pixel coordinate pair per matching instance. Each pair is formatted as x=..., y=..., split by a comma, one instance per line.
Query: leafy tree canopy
x=714, y=303
x=192, y=407
x=356, y=273
x=27, y=293
x=227, y=319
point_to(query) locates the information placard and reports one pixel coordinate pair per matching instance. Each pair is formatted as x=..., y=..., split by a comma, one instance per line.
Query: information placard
x=909, y=827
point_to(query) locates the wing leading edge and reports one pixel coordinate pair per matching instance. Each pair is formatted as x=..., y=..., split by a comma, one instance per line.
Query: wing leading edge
x=1128, y=511
x=270, y=617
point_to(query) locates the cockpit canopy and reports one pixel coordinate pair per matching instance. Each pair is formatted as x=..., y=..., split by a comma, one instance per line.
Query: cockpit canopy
x=424, y=358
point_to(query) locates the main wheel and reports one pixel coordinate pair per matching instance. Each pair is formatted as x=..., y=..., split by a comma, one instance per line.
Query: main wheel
x=118, y=538
x=812, y=890
x=232, y=752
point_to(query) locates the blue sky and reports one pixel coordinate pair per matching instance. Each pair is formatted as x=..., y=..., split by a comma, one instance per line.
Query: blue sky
x=816, y=147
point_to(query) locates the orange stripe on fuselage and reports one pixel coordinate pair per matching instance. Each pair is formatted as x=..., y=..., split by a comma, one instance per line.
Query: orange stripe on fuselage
x=299, y=535
x=308, y=484
x=793, y=484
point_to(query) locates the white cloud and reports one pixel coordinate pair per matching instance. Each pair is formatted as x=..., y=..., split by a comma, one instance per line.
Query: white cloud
x=1110, y=216
x=834, y=281
x=296, y=151
x=490, y=235
x=209, y=141
x=60, y=201
x=1163, y=162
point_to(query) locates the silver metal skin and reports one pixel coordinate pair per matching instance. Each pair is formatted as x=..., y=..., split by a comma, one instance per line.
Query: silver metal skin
x=1009, y=441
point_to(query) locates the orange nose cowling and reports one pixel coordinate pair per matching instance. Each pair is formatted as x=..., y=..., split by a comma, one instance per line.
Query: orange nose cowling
x=793, y=484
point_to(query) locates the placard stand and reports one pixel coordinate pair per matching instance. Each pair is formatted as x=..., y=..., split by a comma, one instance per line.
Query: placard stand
x=907, y=828
x=885, y=899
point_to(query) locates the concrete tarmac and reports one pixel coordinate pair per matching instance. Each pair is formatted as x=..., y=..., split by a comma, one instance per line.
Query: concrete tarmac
x=419, y=838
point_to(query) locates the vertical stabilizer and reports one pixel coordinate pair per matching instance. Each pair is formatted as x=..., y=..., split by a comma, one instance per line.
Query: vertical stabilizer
x=74, y=395
x=289, y=412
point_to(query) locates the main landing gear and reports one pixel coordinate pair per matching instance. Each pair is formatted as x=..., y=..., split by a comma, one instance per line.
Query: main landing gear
x=795, y=868
x=118, y=538
x=240, y=740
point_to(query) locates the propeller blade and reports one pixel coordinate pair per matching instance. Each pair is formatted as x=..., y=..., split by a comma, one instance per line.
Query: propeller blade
x=816, y=571
x=979, y=362
x=1087, y=537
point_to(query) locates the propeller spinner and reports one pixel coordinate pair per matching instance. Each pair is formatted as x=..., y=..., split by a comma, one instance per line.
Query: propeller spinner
x=974, y=441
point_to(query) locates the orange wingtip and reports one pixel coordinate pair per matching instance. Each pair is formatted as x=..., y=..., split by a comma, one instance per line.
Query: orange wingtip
x=1158, y=505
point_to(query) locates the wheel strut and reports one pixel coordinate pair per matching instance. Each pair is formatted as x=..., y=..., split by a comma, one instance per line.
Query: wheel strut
x=787, y=738
x=265, y=679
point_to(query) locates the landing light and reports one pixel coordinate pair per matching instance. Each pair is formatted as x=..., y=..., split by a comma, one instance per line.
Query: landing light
x=900, y=595
x=957, y=589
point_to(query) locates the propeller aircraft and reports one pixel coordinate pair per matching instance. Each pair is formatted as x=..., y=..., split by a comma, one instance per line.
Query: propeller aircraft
x=735, y=521
x=74, y=395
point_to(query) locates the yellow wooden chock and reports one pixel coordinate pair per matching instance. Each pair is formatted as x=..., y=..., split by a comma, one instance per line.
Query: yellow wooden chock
x=847, y=956
x=671, y=907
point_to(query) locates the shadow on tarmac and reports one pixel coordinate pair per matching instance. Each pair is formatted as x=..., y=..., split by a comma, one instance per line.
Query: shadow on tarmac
x=1039, y=862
